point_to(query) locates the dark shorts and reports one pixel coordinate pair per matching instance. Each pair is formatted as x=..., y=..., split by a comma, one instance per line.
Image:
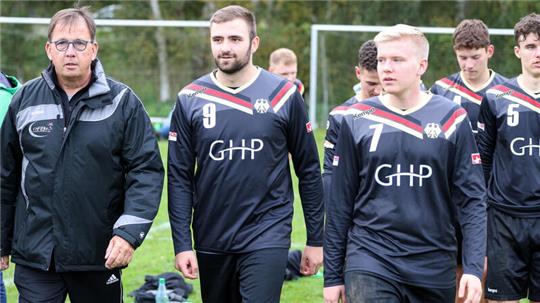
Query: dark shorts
x=38, y=286
x=363, y=287
x=513, y=251
x=248, y=277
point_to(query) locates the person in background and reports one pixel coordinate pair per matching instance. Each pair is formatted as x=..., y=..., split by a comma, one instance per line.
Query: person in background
x=283, y=62
x=370, y=86
x=8, y=86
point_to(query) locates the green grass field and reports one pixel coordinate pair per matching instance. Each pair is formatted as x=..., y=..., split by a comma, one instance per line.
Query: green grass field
x=156, y=255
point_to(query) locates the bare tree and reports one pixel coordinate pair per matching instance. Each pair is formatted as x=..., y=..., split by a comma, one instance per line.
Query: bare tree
x=164, y=91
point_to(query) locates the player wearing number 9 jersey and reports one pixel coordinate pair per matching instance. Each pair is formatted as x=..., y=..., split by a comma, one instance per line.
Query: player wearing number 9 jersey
x=231, y=133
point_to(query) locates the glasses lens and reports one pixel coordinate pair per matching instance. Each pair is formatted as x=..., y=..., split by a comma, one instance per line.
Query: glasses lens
x=79, y=45
x=62, y=45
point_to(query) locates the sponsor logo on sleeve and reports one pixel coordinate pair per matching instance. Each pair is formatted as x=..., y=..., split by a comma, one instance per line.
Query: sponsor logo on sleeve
x=475, y=158
x=335, y=162
x=309, y=128
x=173, y=136
x=481, y=126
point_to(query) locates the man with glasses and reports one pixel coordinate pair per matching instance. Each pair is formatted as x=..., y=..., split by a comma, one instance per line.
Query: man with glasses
x=81, y=173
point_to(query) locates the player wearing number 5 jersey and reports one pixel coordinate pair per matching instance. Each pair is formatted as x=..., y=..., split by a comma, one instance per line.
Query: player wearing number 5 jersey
x=406, y=170
x=231, y=133
x=509, y=142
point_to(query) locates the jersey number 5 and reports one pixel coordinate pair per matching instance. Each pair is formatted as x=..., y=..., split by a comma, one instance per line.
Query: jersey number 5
x=209, y=115
x=376, y=136
x=513, y=115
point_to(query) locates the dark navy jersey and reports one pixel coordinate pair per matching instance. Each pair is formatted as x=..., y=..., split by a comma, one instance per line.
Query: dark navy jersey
x=333, y=125
x=456, y=88
x=509, y=142
x=401, y=180
x=228, y=163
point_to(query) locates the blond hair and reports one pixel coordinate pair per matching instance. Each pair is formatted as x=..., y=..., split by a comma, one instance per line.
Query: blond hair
x=283, y=56
x=404, y=31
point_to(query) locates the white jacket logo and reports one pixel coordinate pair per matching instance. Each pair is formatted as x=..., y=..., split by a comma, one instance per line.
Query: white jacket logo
x=518, y=147
x=386, y=175
x=219, y=149
x=40, y=129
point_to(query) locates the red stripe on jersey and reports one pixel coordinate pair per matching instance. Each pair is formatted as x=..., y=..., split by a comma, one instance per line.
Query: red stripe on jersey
x=462, y=89
x=300, y=88
x=453, y=118
x=219, y=94
x=519, y=95
x=390, y=116
x=282, y=92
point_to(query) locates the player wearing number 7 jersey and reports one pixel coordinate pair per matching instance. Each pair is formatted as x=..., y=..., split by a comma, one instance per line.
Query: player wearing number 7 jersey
x=406, y=170
x=509, y=142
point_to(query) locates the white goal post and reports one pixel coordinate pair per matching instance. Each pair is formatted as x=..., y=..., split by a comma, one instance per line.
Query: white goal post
x=316, y=28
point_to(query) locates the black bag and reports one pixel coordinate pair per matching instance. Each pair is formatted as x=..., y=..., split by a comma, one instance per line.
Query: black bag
x=178, y=289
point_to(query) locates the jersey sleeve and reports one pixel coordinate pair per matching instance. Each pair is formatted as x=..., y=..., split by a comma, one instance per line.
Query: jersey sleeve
x=339, y=214
x=305, y=156
x=330, y=141
x=181, y=167
x=487, y=134
x=470, y=194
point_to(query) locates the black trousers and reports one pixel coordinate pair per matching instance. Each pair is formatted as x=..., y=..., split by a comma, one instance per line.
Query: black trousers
x=244, y=278
x=38, y=286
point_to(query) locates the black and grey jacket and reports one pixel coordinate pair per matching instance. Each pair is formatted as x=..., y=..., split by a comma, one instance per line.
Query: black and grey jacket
x=69, y=184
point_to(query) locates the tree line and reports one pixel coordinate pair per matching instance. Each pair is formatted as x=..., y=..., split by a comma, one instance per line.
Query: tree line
x=137, y=56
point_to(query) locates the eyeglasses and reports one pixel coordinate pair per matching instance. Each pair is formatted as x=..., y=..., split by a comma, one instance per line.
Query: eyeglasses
x=62, y=45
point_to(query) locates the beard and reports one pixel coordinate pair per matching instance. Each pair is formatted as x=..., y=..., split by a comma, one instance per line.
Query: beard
x=235, y=64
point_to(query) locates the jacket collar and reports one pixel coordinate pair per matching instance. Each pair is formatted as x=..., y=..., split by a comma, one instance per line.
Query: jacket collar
x=96, y=95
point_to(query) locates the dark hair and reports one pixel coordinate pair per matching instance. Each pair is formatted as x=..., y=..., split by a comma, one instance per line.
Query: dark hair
x=72, y=15
x=232, y=12
x=471, y=34
x=367, y=56
x=525, y=26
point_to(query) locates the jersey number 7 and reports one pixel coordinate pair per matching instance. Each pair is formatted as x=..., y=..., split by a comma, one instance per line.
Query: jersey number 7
x=376, y=136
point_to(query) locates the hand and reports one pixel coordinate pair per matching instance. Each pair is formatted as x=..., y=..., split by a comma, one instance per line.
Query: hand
x=4, y=263
x=186, y=262
x=332, y=294
x=312, y=259
x=119, y=253
x=470, y=289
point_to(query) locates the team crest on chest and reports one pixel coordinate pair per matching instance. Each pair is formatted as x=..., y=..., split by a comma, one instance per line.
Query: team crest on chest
x=432, y=130
x=261, y=106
